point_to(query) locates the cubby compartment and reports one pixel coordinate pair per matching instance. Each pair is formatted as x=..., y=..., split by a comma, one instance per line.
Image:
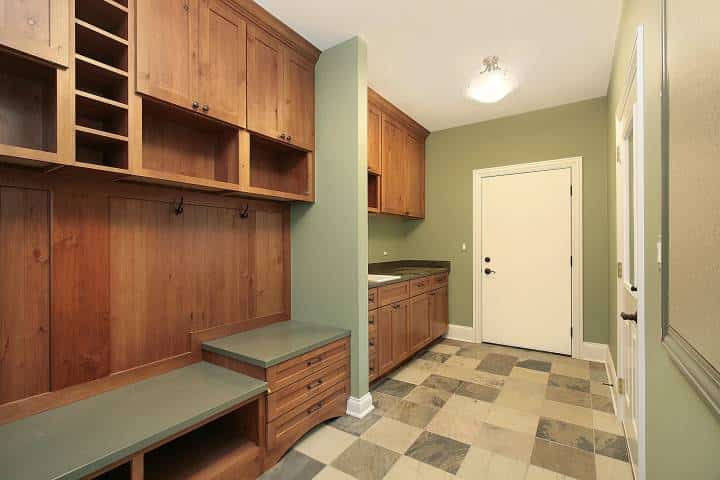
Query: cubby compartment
x=278, y=167
x=104, y=47
x=373, y=192
x=180, y=143
x=100, y=114
x=108, y=15
x=100, y=80
x=28, y=108
x=121, y=472
x=224, y=448
x=96, y=147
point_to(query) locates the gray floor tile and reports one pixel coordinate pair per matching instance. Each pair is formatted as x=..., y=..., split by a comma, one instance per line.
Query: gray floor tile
x=569, y=461
x=478, y=392
x=366, y=461
x=441, y=452
x=610, y=445
x=393, y=387
x=294, y=466
x=497, y=364
x=571, y=383
x=532, y=364
x=441, y=383
x=356, y=426
x=566, y=434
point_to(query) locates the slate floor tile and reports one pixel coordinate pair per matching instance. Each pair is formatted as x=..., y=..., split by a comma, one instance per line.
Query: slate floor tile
x=384, y=403
x=566, y=434
x=571, y=397
x=412, y=413
x=571, y=383
x=478, y=392
x=393, y=387
x=611, y=445
x=598, y=372
x=505, y=442
x=356, y=426
x=497, y=363
x=366, y=461
x=441, y=452
x=428, y=396
x=569, y=461
x=433, y=356
x=294, y=465
x=535, y=365
x=602, y=404
x=442, y=383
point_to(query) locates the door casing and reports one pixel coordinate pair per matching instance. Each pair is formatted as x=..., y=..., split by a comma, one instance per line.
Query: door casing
x=575, y=166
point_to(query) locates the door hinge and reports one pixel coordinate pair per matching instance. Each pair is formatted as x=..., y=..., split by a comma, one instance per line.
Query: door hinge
x=621, y=386
x=571, y=332
x=571, y=261
x=619, y=270
x=571, y=190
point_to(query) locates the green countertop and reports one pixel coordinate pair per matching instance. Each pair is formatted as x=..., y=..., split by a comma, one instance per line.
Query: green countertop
x=406, y=270
x=78, y=439
x=275, y=343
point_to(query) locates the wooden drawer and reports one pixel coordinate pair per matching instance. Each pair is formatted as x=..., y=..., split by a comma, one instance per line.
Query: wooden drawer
x=295, y=369
x=372, y=299
x=393, y=293
x=312, y=386
x=420, y=286
x=287, y=429
x=439, y=280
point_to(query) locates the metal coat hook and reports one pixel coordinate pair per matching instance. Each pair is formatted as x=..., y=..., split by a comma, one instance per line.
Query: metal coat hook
x=244, y=213
x=180, y=206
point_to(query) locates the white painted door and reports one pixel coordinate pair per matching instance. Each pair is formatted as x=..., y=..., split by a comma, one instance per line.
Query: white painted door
x=526, y=273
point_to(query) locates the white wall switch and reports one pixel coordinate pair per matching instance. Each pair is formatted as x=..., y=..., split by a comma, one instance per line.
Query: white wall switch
x=463, y=247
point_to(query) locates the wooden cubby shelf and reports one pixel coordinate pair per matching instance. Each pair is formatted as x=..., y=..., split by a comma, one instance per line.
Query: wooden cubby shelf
x=373, y=192
x=97, y=44
x=277, y=169
x=110, y=16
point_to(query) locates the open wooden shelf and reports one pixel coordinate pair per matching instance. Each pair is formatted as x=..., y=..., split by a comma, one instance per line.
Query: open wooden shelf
x=28, y=109
x=101, y=114
x=100, y=79
x=110, y=16
x=373, y=192
x=276, y=167
x=186, y=145
x=97, y=44
x=100, y=148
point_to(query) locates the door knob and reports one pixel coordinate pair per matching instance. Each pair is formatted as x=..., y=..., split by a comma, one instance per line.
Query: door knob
x=487, y=259
x=488, y=271
x=629, y=316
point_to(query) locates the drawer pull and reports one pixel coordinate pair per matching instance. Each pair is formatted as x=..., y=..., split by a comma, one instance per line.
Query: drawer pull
x=313, y=361
x=396, y=306
x=315, y=407
x=420, y=284
x=371, y=321
x=314, y=384
x=371, y=298
x=371, y=343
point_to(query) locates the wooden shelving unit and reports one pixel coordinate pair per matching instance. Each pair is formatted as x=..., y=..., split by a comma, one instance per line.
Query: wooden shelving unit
x=101, y=84
x=373, y=192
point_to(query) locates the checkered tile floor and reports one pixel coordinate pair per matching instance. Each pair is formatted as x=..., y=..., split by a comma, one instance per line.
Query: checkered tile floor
x=461, y=410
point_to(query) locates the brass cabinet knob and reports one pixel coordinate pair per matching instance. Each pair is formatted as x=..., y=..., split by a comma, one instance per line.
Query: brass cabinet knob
x=206, y=108
x=196, y=105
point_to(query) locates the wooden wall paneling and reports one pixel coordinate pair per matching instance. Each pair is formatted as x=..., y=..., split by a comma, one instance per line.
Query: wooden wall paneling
x=264, y=82
x=270, y=274
x=24, y=293
x=415, y=164
x=80, y=333
x=297, y=108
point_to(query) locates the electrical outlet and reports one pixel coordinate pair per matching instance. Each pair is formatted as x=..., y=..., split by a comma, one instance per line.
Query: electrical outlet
x=385, y=253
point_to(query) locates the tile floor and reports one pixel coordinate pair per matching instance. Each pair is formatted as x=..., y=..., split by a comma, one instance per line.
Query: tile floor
x=461, y=410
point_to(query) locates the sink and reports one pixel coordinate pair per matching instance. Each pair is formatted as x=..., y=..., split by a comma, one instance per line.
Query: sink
x=383, y=278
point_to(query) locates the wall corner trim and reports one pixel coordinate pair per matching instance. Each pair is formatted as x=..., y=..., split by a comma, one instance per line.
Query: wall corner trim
x=460, y=332
x=359, y=407
x=595, y=352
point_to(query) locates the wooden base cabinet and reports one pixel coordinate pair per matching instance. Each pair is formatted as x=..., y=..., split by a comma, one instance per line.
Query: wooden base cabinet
x=420, y=318
x=438, y=309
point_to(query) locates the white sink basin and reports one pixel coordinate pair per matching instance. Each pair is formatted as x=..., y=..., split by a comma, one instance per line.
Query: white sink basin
x=383, y=278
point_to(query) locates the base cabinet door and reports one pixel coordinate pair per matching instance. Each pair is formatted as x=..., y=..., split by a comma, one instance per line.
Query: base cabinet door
x=439, y=312
x=419, y=321
x=400, y=331
x=383, y=339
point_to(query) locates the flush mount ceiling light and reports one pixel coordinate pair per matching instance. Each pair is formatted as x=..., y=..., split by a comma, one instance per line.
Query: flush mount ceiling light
x=493, y=83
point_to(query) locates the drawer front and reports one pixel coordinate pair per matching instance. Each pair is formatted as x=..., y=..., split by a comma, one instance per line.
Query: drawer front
x=312, y=386
x=372, y=299
x=420, y=286
x=295, y=369
x=287, y=429
x=393, y=293
x=439, y=280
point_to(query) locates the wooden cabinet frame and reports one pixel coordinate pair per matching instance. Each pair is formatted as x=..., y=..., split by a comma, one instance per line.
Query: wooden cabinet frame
x=56, y=50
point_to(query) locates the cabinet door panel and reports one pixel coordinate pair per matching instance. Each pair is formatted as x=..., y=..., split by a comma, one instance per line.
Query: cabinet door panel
x=264, y=82
x=270, y=267
x=167, y=41
x=394, y=168
x=298, y=104
x=223, y=74
x=439, y=312
x=374, y=139
x=36, y=27
x=415, y=158
x=419, y=321
x=384, y=339
x=400, y=332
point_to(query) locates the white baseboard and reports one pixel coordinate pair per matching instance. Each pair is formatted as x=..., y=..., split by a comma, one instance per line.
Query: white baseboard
x=460, y=332
x=612, y=379
x=595, y=352
x=359, y=407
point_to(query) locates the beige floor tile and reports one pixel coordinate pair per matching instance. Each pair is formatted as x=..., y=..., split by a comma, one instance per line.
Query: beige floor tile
x=442, y=348
x=599, y=388
x=412, y=375
x=517, y=420
x=384, y=403
x=391, y=434
x=567, y=413
x=520, y=400
x=475, y=465
x=325, y=444
x=505, y=468
x=526, y=387
x=571, y=369
x=428, y=396
x=610, y=469
x=332, y=473
x=481, y=464
x=457, y=425
x=505, y=442
x=529, y=375
x=487, y=378
x=464, y=362
x=538, y=473
x=607, y=423
x=468, y=406
x=456, y=372
x=421, y=364
x=566, y=460
x=407, y=468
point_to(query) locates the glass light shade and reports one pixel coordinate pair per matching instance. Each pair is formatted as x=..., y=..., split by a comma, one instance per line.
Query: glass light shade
x=490, y=87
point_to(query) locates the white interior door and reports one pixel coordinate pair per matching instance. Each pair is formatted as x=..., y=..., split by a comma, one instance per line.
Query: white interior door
x=526, y=273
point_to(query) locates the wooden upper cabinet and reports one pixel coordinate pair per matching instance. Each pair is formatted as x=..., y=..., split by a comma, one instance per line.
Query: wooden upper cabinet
x=374, y=139
x=167, y=41
x=415, y=158
x=36, y=27
x=264, y=82
x=222, y=80
x=394, y=168
x=297, y=109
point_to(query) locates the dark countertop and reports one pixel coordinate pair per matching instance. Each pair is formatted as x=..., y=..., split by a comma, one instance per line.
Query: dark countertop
x=275, y=343
x=75, y=440
x=407, y=270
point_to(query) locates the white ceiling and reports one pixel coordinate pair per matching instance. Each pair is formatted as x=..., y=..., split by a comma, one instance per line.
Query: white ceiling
x=423, y=53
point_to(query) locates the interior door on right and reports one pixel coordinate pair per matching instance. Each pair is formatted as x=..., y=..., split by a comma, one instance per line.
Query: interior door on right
x=526, y=273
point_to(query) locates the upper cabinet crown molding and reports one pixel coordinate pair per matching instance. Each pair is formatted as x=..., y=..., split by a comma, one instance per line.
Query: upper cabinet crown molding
x=377, y=100
x=39, y=28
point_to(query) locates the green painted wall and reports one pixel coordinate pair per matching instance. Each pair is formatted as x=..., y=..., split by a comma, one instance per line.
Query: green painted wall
x=578, y=129
x=387, y=234
x=329, y=238
x=683, y=434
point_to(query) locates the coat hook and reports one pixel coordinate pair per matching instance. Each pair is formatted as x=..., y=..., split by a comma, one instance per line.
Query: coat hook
x=180, y=206
x=244, y=213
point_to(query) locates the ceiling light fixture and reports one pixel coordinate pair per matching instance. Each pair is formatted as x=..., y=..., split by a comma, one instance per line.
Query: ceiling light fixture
x=493, y=84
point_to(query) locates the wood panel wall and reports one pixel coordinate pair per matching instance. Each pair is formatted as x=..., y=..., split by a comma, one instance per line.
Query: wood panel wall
x=131, y=278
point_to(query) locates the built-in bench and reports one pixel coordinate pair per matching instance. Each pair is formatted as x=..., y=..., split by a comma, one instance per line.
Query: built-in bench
x=200, y=421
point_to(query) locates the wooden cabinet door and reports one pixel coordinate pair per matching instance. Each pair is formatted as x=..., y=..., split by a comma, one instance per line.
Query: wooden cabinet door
x=400, y=332
x=270, y=262
x=297, y=108
x=384, y=339
x=374, y=137
x=223, y=74
x=36, y=27
x=394, y=168
x=415, y=158
x=264, y=82
x=419, y=321
x=167, y=43
x=439, y=312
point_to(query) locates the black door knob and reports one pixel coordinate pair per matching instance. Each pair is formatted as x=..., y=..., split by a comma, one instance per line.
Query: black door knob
x=487, y=259
x=629, y=316
x=488, y=271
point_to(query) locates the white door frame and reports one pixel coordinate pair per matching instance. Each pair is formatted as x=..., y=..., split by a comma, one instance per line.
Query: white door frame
x=575, y=165
x=632, y=106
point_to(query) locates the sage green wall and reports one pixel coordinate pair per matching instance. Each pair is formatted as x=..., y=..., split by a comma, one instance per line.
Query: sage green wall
x=683, y=434
x=329, y=237
x=578, y=129
x=387, y=234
